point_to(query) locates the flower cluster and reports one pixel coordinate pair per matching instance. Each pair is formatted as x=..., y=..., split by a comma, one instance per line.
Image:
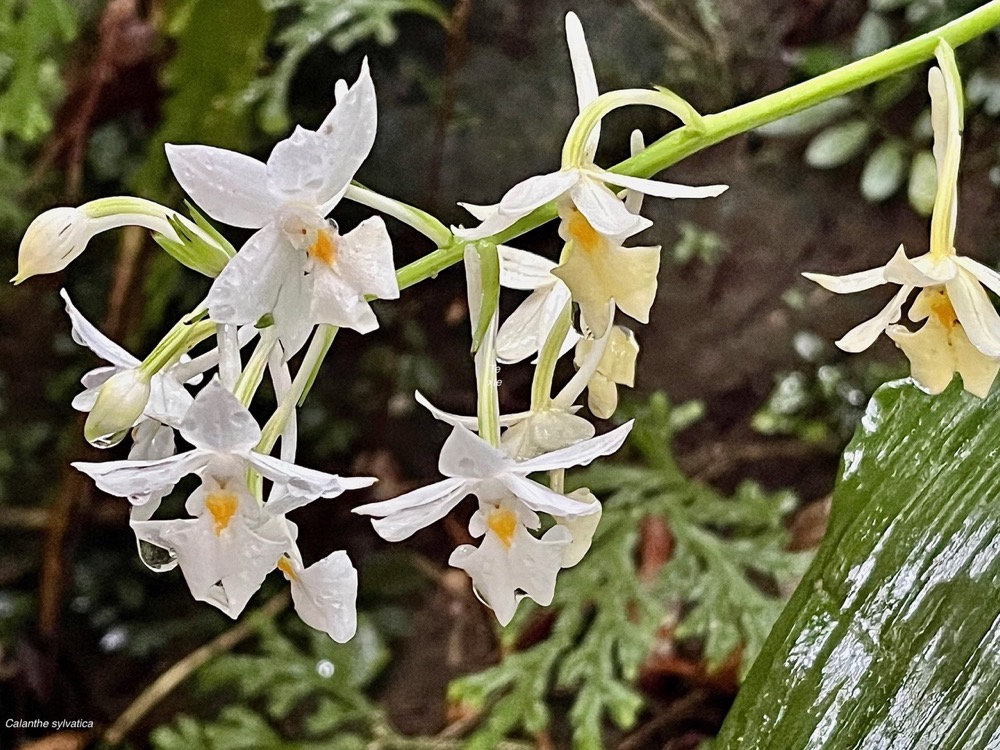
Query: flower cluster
x=961, y=330
x=298, y=279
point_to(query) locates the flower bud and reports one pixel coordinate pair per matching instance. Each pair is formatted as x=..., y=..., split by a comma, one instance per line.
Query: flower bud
x=53, y=240
x=119, y=405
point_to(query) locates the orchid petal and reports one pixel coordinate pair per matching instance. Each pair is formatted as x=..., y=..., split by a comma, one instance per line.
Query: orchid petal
x=138, y=480
x=536, y=191
x=850, y=283
x=293, y=319
x=403, y=516
x=248, y=286
x=467, y=456
x=604, y=211
x=229, y=186
x=520, y=269
x=975, y=312
x=583, y=76
x=324, y=595
x=364, y=258
x=543, y=500
x=862, y=336
x=658, y=188
x=301, y=485
x=986, y=275
x=336, y=302
x=919, y=272
x=218, y=422
x=578, y=454
x=86, y=334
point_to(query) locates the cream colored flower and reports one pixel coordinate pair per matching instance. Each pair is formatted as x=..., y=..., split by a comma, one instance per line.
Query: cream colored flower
x=616, y=367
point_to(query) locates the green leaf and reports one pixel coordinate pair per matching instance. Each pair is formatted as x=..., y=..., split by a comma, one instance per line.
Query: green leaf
x=220, y=45
x=923, y=183
x=838, y=144
x=884, y=171
x=891, y=639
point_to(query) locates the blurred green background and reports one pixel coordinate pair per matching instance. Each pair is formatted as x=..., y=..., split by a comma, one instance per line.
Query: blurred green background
x=473, y=96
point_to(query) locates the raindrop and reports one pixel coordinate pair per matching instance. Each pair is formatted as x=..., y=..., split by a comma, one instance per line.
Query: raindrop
x=325, y=669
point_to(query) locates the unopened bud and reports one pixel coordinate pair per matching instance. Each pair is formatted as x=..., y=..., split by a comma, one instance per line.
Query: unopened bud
x=119, y=405
x=53, y=240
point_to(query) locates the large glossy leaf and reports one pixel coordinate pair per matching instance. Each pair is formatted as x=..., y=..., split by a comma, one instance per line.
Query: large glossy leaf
x=892, y=640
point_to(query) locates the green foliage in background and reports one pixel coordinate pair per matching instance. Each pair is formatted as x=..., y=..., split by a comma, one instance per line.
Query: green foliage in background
x=891, y=637
x=301, y=692
x=341, y=24
x=606, y=616
x=862, y=125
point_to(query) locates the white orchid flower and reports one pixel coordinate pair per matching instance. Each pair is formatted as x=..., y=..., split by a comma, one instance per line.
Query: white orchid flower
x=524, y=331
x=324, y=594
x=953, y=298
x=510, y=560
x=136, y=398
x=232, y=538
x=296, y=267
x=584, y=185
x=472, y=466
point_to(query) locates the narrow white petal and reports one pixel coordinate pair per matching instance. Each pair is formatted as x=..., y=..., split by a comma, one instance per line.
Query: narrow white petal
x=142, y=479
x=468, y=422
x=301, y=485
x=169, y=401
x=492, y=224
x=520, y=269
x=524, y=331
x=248, y=286
x=86, y=334
x=658, y=188
x=364, y=258
x=975, y=312
x=862, y=336
x=229, y=186
x=218, y=422
x=604, y=211
x=293, y=309
x=325, y=596
x=403, y=516
x=986, y=275
x=583, y=75
x=481, y=213
x=850, y=283
x=543, y=500
x=579, y=454
x=536, y=191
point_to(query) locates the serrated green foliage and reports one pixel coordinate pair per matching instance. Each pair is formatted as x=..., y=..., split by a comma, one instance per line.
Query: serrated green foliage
x=606, y=616
x=341, y=24
x=220, y=46
x=307, y=688
x=891, y=638
x=31, y=31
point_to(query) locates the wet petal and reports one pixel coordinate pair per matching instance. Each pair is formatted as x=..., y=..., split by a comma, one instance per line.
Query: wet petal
x=218, y=422
x=229, y=186
x=579, y=454
x=138, y=480
x=403, y=516
x=364, y=258
x=543, y=500
x=301, y=485
x=248, y=286
x=335, y=301
x=536, y=191
x=86, y=334
x=325, y=596
x=468, y=456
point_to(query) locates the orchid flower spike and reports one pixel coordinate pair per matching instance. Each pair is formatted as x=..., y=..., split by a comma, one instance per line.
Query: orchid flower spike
x=296, y=267
x=962, y=329
x=233, y=541
x=583, y=185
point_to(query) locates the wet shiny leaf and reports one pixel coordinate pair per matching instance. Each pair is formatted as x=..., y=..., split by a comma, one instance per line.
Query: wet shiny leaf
x=892, y=638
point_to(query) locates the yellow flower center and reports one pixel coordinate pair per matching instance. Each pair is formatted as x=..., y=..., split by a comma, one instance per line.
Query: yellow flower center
x=943, y=311
x=584, y=235
x=222, y=504
x=324, y=249
x=503, y=523
x=285, y=566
